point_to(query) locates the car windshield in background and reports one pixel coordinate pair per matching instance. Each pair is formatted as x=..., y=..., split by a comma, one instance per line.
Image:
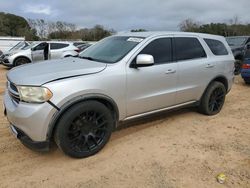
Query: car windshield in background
x=30, y=46
x=236, y=41
x=111, y=50
x=17, y=46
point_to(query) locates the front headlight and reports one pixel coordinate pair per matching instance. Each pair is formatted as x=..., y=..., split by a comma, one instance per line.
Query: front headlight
x=9, y=54
x=32, y=94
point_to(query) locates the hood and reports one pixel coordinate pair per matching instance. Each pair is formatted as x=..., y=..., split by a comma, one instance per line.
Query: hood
x=47, y=71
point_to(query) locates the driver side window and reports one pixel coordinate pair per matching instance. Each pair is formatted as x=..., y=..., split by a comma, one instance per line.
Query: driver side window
x=160, y=49
x=40, y=46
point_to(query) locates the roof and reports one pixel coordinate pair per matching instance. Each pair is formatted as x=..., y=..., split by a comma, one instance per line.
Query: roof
x=160, y=33
x=244, y=36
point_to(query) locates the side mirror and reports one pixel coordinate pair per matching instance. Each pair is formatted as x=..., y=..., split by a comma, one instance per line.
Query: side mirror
x=144, y=60
x=33, y=49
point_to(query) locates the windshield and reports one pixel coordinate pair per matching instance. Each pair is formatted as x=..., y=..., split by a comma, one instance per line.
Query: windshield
x=111, y=50
x=236, y=41
x=17, y=46
x=30, y=46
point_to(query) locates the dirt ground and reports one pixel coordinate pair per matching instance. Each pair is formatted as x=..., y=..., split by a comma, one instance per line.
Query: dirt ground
x=175, y=149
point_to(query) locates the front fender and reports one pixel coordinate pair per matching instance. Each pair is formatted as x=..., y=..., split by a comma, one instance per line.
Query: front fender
x=73, y=101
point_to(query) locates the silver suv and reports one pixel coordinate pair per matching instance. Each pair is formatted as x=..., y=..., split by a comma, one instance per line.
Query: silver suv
x=40, y=51
x=79, y=101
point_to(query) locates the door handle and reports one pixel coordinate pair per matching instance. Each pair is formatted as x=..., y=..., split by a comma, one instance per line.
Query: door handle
x=170, y=71
x=209, y=66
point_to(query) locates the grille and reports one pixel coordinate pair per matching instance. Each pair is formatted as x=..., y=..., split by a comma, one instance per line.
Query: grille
x=13, y=92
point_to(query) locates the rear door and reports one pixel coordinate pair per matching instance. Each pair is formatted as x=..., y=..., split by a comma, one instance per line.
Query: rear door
x=195, y=69
x=154, y=87
x=57, y=49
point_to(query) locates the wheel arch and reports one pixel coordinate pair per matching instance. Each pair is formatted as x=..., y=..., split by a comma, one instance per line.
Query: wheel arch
x=22, y=56
x=222, y=79
x=107, y=101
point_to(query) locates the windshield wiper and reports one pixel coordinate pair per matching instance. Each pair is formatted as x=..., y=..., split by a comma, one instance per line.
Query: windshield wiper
x=94, y=59
x=88, y=58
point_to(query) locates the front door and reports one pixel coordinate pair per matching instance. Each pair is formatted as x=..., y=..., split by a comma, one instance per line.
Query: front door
x=37, y=53
x=153, y=87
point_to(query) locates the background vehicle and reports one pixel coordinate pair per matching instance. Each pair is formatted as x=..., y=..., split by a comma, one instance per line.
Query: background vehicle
x=79, y=101
x=39, y=52
x=19, y=46
x=245, y=71
x=82, y=47
x=1, y=56
x=238, y=46
x=79, y=43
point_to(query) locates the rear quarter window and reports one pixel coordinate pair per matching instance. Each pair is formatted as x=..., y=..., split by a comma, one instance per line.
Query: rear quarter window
x=187, y=48
x=216, y=46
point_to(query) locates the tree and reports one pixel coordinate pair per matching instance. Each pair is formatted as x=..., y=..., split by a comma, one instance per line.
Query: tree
x=234, y=28
x=12, y=25
x=189, y=25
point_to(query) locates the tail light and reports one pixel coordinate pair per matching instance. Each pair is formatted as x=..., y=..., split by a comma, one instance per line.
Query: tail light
x=77, y=50
x=246, y=66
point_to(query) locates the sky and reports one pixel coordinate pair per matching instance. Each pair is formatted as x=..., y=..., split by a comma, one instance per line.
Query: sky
x=123, y=15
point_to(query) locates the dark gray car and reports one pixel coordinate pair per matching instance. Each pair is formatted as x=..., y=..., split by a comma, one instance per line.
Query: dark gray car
x=238, y=47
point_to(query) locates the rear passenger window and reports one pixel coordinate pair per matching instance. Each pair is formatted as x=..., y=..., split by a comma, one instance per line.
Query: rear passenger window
x=217, y=47
x=55, y=46
x=160, y=49
x=188, y=48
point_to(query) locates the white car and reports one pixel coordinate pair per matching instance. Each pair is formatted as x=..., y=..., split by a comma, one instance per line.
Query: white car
x=39, y=52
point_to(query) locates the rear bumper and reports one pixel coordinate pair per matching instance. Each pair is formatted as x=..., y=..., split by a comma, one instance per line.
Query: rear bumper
x=245, y=73
x=28, y=142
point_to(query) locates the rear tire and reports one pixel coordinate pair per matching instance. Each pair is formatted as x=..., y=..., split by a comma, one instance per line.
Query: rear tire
x=84, y=129
x=21, y=61
x=213, y=99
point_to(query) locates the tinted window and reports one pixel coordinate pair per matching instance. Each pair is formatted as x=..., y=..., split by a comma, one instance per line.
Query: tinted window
x=188, y=48
x=217, y=47
x=55, y=46
x=40, y=46
x=160, y=49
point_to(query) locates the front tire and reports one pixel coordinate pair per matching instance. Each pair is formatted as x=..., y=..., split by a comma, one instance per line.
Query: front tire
x=21, y=61
x=213, y=99
x=84, y=129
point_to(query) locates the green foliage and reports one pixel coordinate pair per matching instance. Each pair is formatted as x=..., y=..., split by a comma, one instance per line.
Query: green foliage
x=39, y=29
x=12, y=25
x=224, y=29
x=93, y=34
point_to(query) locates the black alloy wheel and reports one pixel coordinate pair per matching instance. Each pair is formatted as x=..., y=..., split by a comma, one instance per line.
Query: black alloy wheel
x=213, y=99
x=84, y=129
x=216, y=99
